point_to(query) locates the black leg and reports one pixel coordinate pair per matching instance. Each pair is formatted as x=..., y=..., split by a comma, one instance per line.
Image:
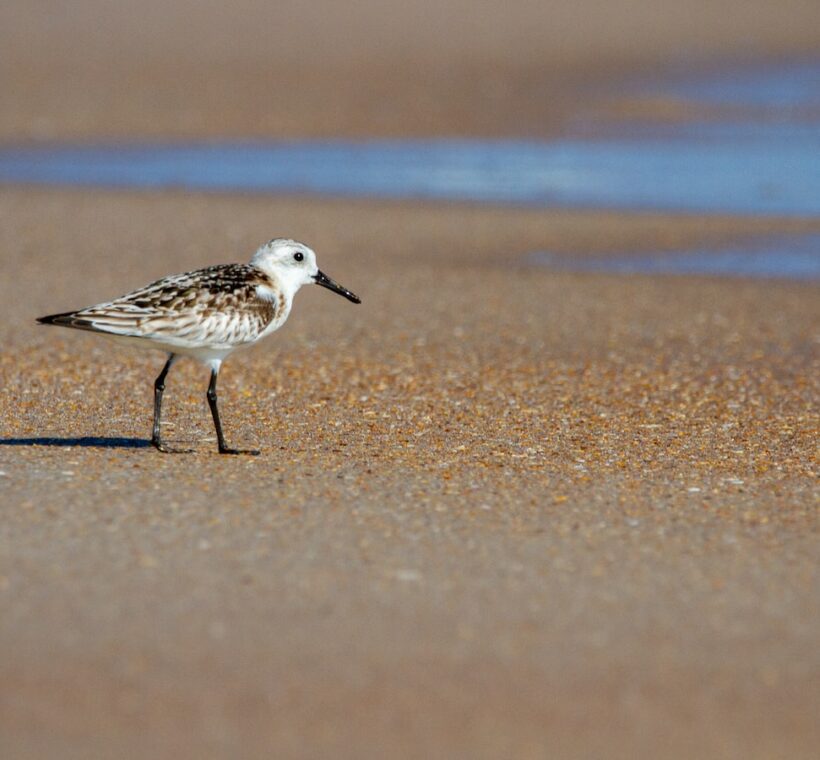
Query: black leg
x=223, y=449
x=159, y=387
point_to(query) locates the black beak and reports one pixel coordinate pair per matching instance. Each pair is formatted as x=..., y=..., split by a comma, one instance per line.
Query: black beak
x=320, y=278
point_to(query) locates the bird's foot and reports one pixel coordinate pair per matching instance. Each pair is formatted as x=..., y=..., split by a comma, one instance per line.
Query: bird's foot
x=247, y=452
x=160, y=446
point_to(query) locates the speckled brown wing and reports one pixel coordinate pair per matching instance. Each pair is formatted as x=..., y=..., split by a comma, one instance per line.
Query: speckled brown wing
x=219, y=305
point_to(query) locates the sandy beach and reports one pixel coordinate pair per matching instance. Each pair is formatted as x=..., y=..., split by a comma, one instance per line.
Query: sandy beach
x=500, y=511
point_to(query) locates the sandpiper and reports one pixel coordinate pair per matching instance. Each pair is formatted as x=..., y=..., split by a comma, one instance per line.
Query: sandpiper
x=207, y=314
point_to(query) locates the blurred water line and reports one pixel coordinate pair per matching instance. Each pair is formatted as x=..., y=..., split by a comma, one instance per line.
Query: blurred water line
x=705, y=170
x=777, y=256
x=765, y=163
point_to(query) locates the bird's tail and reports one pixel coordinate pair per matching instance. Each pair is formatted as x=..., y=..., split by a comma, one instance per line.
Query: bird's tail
x=66, y=319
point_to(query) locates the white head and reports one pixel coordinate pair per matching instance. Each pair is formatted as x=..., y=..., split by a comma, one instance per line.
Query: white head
x=293, y=264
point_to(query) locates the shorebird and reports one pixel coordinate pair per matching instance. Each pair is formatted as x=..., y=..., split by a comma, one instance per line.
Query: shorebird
x=207, y=314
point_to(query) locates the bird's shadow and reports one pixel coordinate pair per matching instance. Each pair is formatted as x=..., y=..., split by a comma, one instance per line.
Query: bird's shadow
x=84, y=442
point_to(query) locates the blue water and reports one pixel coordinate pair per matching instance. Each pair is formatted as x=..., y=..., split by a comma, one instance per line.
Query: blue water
x=714, y=170
x=781, y=256
x=788, y=85
x=768, y=163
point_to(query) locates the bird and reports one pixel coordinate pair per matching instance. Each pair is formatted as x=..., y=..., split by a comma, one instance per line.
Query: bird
x=206, y=314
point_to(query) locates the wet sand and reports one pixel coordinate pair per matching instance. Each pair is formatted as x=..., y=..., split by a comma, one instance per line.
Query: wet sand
x=499, y=511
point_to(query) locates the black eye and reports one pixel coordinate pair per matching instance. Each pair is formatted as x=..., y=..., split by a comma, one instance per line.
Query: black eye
x=299, y=256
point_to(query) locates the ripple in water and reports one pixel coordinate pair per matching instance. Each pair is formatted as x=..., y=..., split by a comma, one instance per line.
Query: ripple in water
x=782, y=256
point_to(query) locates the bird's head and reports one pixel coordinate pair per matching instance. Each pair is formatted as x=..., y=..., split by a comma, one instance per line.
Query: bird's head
x=293, y=264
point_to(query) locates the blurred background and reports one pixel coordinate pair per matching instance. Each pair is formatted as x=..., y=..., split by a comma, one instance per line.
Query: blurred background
x=94, y=68
x=699, y=106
